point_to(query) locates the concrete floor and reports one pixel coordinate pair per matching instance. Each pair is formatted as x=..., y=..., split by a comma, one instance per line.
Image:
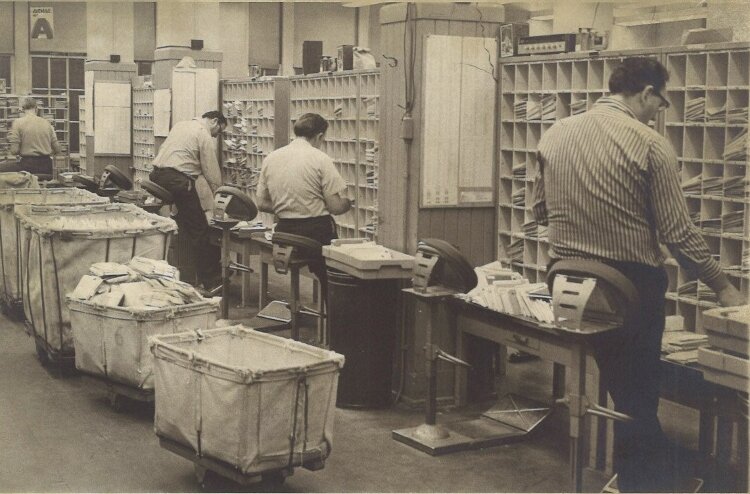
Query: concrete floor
x=59, y=434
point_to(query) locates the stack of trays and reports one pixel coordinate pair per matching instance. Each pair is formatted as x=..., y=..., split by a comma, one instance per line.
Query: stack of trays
x=726, y=361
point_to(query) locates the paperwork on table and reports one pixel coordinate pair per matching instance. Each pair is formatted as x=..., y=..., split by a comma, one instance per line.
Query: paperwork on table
x=503, y=290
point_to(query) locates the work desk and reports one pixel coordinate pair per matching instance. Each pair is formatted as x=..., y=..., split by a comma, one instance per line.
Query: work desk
x=718, y=406
x=255, y=243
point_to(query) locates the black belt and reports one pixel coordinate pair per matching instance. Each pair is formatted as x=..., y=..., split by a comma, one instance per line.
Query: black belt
x=177, y=171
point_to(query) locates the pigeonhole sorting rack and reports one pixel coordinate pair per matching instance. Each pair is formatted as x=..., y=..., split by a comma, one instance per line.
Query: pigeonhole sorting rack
x=60, y=244
x=240, y=403
x=111, y=343
x=11, y=233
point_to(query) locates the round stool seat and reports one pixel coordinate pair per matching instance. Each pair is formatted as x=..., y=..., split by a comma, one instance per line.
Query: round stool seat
x=303, y=246
x=157, y=191
x=452, y=270
x=118, y=178
x=86, y=182
x=236, y=203
x=616, y=285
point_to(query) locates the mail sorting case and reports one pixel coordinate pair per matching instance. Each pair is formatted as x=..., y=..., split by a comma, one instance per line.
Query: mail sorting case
x=11, y=234
x=112, y=342
x=62, y=242
x=256, y=401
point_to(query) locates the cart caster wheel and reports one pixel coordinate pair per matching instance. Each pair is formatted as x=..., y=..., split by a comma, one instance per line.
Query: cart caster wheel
x=208, y=480
x=273, y=481
x=41, y=354
x=117, y=402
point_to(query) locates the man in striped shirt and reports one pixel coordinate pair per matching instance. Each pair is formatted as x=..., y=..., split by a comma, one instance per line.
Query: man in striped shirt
x=609, y=189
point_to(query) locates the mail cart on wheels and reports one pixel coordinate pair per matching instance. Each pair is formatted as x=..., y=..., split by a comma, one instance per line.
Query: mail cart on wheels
x=244, y=406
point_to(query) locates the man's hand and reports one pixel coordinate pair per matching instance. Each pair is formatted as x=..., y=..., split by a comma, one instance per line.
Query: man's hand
x=729, y=296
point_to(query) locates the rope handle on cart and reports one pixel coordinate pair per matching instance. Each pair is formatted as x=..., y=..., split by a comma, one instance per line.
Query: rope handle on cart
x=301, y=380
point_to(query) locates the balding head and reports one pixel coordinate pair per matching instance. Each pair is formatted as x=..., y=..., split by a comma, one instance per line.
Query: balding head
x=28, y=104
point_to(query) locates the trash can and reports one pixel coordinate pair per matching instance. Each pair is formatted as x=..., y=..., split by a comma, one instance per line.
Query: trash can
x=363, y=301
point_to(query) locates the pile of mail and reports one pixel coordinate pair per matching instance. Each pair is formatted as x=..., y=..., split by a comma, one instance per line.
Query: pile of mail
x=143, y=283
x=503, y=290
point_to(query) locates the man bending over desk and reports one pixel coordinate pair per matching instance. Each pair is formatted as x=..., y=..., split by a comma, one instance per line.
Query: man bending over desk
x=608, y=187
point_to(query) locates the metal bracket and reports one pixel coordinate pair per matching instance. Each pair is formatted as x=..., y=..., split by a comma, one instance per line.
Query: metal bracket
x=435, y=353
x=282, y=254
x=424, y=263
x=235, y=266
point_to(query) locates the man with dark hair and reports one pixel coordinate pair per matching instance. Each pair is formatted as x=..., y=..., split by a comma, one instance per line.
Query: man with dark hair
x=186, y=157
x=608, y=187
x=301, y=186
x=33, y=139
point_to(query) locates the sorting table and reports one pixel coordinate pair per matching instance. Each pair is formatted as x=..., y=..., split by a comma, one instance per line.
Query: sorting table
x=564, y=348
x=718, y=406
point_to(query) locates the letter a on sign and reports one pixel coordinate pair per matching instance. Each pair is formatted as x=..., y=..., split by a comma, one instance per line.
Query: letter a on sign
x=41, y=23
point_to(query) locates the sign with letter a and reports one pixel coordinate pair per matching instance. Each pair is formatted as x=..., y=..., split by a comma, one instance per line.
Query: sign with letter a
x=41, y=23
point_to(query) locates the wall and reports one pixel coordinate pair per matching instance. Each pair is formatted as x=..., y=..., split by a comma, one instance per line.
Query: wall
x=178, y=23
x=144, y=24
x=110, y=31
x=234, y=39
x=6, y=27
x=69, y=28
x=374, y=32
x=333, y=24
x=263, y=19
x=734, y=14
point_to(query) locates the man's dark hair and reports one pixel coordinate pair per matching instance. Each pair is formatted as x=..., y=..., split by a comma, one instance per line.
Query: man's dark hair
x=217, y=115
x=635, y=73
x=309, y=125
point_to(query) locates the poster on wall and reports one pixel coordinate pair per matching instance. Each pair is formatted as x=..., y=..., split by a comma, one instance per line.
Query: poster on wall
x=42, y=23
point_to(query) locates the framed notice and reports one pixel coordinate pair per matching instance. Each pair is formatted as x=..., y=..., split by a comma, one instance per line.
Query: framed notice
x=507, y=41
x=458, y=122
x=112, y=117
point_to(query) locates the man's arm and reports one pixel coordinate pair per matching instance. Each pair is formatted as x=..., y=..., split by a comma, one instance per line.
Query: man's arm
x=209, y=164
x=261, y=192
x=334, y=188
x=56, y=149
x=14, y=139
x=539, y=201
x=337, y=204
x=682, y=237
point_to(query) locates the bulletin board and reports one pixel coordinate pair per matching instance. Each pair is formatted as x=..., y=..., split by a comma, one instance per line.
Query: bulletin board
x=458, y=122
x=112, y=115
x=194, y=92
x=88, y=84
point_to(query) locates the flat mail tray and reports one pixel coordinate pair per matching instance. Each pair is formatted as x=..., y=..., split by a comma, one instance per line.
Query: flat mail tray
x=365, y=259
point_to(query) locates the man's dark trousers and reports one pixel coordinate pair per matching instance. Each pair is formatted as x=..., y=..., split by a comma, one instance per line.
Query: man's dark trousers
x=36, y=165
x=629, y=365
x=192, y=222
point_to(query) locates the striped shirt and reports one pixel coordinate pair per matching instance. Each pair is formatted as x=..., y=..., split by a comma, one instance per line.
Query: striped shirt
x=608, y=187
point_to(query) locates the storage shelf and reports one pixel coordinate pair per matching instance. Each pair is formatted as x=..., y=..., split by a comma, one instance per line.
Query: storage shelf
x=350, y=102
x=719, y=73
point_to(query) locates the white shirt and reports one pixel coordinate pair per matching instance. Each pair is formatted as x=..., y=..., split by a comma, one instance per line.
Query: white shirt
x=296, y=178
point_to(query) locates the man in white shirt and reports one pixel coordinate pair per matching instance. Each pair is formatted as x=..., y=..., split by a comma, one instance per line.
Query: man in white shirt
x=301, y=186
x=33, y=139
x=188, y=153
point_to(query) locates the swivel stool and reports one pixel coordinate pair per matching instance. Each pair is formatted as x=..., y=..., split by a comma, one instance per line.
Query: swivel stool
x=290, y=254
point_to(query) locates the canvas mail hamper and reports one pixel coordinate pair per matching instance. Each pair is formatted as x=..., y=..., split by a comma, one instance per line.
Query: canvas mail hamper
x=62, y=242
x=112, y=342
x=11, y=233
x=254, y=400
